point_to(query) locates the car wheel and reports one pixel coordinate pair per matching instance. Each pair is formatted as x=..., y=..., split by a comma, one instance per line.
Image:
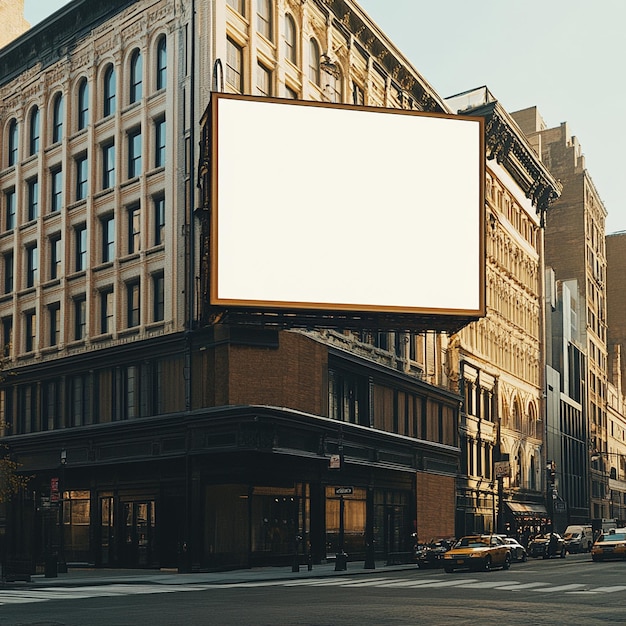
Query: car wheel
x=562, y=553
x=487, y=565
x=448, y=570
x=524, y=557
x=507, y=562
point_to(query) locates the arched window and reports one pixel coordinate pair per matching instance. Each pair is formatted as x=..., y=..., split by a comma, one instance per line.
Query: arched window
x=13, y=141
x=161, y=66
x=264, y=18
x=291, y=53
x=83, y=104
x=33, y=138
x=314, y=62
x=136, y=71
x=109, y=91
x=57, y=118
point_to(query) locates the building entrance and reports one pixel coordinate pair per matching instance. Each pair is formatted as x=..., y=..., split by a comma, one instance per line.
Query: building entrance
x=139, y=534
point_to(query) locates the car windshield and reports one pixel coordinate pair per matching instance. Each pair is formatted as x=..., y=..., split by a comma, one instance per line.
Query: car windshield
x=472, y=542
x=613, y=537
x=571, y=535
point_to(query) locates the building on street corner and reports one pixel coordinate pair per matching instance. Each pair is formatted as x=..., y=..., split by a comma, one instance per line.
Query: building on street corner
x=156, y=437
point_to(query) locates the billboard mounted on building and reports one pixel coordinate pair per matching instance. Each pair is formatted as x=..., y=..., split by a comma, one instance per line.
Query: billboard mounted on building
x=346, y=211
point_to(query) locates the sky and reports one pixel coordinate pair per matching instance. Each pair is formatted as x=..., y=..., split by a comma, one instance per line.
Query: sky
x=565, y=57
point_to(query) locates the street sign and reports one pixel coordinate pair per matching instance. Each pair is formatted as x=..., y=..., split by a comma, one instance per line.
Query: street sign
x=344, y=491
x=335, y=461
x=502, y=469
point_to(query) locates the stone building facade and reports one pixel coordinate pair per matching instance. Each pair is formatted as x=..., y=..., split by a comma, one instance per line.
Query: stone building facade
x=155, y=439
x=576, y=249
x=500, y=358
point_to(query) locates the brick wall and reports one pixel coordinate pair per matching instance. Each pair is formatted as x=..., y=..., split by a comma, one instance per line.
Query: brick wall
x=292, y=375
x=435, y=506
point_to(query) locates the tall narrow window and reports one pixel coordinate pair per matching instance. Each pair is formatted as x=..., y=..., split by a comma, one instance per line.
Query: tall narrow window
x=55, y=256
x=290, y=40
x=108, y=238
x=134, y=229
x=57, y=119
x=238, y=5
x=161, y=65
x=334, y=86
x=134, y=153
x=158, y=297
x=54, y=323
x=30, y=330
x=106, y=311
x=234, y=66
x=7, y=336
x=132, y=304
x=108, y=165
x=9, y=209
x=82, y=176
x=264, y=18
x=33, y=198
x=136, y=71
x=13, y=142
x=80, y=317
x=33, y=138
x=80, y=236
x=159, y=142
x=109, y=91
x=32, y=265
x=56, y=190
x=314, y=62
x=264, y=81
x=8, y=272
x=83, y=104
x=159, y=220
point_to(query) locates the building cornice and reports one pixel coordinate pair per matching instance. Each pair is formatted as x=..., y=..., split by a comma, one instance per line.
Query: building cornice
x=506, y=143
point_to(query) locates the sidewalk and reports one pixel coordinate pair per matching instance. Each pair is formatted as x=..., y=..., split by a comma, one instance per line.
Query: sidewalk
x=87, y=576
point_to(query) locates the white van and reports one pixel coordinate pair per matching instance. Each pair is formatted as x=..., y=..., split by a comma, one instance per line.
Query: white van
x=578, y=538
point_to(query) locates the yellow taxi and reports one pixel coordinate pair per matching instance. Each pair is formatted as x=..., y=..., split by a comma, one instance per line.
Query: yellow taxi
x=478, y=552
x=610, y=545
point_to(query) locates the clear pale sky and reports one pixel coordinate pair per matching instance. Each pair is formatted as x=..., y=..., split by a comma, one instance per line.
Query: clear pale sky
x=564, y=56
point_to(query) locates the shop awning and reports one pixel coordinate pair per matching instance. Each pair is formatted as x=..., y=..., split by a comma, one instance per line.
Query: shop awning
x=527, y=509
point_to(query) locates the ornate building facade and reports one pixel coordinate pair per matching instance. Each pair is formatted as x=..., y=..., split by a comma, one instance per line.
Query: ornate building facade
x=500, y=358
x=156, y=439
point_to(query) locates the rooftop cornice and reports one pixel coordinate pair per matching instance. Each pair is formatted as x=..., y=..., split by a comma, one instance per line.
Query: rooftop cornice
x=506, y=143
x=353, y=20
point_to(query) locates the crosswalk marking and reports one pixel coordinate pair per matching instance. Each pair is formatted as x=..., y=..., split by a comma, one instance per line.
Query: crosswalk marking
x=45, y=594
x=560, y=588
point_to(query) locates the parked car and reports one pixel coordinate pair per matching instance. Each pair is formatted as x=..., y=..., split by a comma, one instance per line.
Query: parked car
x=578, y=538
x=610, y=545
x=477, y=552
x=547, y=546
x=518, y=551
x=431, y=554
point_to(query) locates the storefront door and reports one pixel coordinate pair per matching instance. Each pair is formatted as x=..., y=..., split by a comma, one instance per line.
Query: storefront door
x=139, y=536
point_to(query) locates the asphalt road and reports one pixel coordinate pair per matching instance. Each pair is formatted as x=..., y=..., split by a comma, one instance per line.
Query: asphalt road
x=569, y=591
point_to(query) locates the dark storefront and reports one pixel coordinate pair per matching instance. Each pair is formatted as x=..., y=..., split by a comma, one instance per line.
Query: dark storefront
x=223, y=488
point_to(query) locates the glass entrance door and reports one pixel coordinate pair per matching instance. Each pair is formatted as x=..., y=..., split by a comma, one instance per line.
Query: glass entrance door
x=139, y=534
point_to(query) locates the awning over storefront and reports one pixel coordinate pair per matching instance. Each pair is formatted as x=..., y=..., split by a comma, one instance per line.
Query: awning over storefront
x=527, y=509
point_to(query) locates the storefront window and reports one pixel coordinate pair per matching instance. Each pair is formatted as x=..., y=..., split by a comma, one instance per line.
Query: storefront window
x=353, y=521
x=76, y=510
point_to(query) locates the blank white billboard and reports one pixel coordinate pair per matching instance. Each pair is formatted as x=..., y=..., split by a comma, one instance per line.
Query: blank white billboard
x=339, y=208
